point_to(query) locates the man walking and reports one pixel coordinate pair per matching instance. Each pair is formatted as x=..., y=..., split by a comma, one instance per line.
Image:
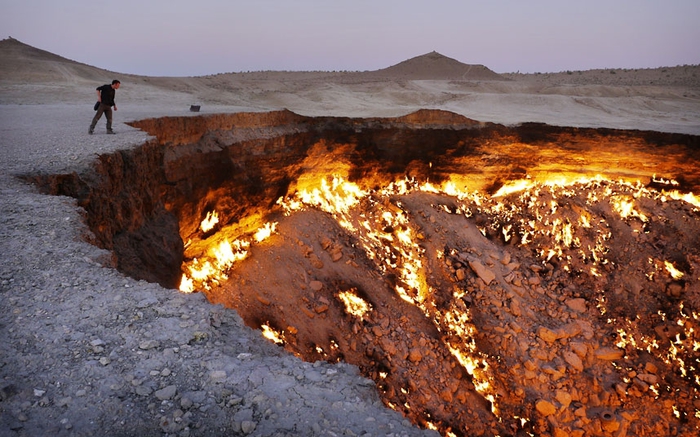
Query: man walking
x=105, y=100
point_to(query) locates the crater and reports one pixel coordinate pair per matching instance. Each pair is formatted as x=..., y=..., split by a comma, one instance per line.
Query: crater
x=491, y=280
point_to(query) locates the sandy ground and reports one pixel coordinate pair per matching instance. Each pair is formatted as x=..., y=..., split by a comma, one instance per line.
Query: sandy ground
x=88, y=351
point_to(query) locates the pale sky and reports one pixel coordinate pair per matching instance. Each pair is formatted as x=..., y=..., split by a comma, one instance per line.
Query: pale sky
x=199, y=37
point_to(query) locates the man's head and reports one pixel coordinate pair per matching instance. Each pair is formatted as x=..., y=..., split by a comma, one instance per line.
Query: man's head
x=115, y=84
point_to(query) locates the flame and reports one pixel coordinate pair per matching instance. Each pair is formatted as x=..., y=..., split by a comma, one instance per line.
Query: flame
x=338, y=196
x=673, y=271
x=625, y=206
x=354, y=304
x=686, y=197
x=219, y=259
x=664, y=181
x=551, y=217
x=514, y=187
x=265, y=232
x=209, y=221
x=271, y=334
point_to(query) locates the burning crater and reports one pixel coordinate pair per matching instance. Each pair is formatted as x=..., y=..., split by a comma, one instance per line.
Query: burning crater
x=531, y=280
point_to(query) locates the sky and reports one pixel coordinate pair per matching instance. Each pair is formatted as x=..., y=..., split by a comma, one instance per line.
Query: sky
x=201, y=37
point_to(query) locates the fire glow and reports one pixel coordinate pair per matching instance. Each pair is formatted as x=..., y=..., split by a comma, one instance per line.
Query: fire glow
x=540, y=216
x=209, y=221
x=354, y=304
x=220, y=258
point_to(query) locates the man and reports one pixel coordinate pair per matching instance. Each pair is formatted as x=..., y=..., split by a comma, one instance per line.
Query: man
x=105, y=99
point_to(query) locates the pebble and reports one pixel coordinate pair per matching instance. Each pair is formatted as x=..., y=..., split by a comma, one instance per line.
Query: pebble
x=148, y=344
x=546, y=408
x=166, y=392
x=248, y=426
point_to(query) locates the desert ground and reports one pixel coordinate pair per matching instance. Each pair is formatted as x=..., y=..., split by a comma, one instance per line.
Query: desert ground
x=89, y=350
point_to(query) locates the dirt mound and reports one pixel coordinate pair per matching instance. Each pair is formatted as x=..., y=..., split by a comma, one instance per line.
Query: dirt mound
x=436, y=66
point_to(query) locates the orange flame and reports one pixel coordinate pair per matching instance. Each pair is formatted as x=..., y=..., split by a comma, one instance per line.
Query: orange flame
x=209, y=221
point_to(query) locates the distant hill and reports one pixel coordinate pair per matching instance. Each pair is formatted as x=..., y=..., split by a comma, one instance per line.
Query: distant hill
x=436, y=66
x=21, y=62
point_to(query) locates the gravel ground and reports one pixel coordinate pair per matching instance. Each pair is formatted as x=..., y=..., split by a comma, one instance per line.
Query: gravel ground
x=88, y=351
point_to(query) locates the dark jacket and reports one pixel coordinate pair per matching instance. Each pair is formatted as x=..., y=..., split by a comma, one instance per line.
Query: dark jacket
x=107, y=94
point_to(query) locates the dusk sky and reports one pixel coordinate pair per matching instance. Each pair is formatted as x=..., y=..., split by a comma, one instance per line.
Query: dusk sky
x=199, y=37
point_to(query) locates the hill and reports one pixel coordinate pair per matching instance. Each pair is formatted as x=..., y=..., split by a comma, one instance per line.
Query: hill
x=20, y=62
x=436, y=66
x=24, y=63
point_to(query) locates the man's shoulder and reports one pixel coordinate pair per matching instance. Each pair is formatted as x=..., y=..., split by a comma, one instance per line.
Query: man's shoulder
x=103, y=86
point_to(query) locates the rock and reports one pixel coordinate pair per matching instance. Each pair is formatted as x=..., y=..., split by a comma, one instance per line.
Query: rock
x=674, y=289
x=186, y=403
x=667, y=330
x=515, y=308
x=217, y=375
x=547, y=334
x=640, y=385
x=316, y=285
x=415, y=355
x=316, y=261
x=559, y=432
x=545, y=408
x=579, y=348
x=573, y=360
x=648, y=378
x=609, y=354
x=63, y=402
x=569, y=330
x=485, y=274
x=143, y=390
x=248, y=426
x=577, y=304
x=564, y=398
x=505, y=259
x=166, y=393
x=621, y=389
x=148, y=344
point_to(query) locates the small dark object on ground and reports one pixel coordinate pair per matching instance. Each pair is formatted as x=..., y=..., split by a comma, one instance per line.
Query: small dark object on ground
x=194, y=108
